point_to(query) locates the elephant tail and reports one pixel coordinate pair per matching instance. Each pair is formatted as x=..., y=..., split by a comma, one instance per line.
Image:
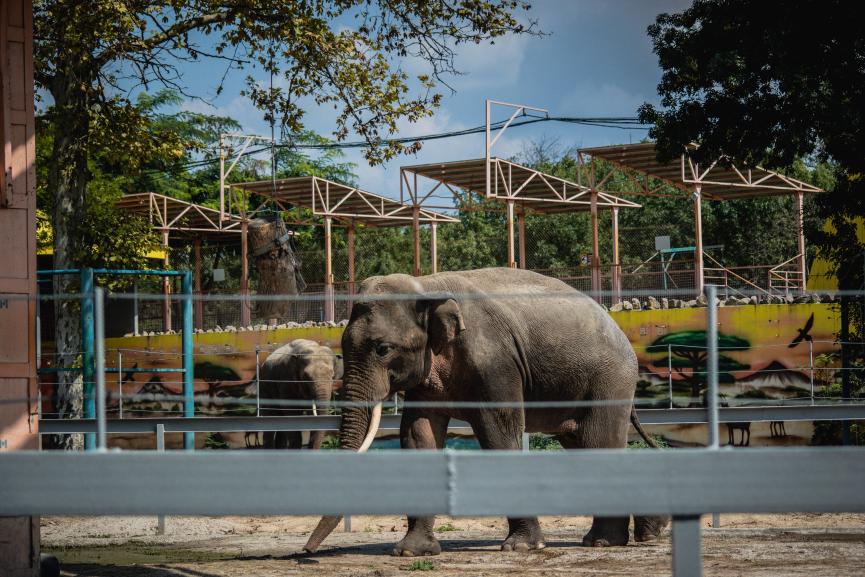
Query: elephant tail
x=635, y=420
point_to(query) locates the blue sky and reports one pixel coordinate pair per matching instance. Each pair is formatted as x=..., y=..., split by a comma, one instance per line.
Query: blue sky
x=596, y=61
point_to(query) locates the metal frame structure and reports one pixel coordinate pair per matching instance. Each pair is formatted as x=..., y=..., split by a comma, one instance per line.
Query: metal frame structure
x=722, y=179
x=170, y=215
x=335, y=201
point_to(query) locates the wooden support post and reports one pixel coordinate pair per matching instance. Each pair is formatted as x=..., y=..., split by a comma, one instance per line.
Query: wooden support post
x=800, y=225
x=698, y=241
x=351, y=270
x=245, y=309
x=434, y=251
x=511, y=260
x=166, y=286
x=198, y=309
x=328, y=269
x=617, y=266
x=415, y=224
x=596, y=260
x=521, y=226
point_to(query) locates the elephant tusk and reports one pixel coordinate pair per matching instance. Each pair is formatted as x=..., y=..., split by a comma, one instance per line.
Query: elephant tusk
x=329, y=522
x=373, y=429
x=314, y=410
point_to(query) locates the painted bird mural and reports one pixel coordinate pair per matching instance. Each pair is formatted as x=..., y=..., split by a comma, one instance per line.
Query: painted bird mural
x=804, y=333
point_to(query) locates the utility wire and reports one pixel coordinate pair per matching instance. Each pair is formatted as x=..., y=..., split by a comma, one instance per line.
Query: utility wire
x=623, y=123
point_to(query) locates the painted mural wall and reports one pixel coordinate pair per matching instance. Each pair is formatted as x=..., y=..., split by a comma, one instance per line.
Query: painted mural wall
x=768, y=353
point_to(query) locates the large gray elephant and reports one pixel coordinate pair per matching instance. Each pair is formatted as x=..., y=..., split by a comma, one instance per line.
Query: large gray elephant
x=494, y=335
x=301, y=370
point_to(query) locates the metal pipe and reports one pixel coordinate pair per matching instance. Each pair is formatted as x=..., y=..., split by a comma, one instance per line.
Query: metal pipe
x=712, y=364
x=487, y=147
x=811, y=367
x=257, y=383
x=196, y=285
x=99, y=322
x=415, y=229
x=670, y=372
x=120, y=383
x=698, y=241
x=328, y=269
x=135, y=308
x=87, y=337
x=687, y=546
x=800, y=225
x=187, y=352
x=434, y=252
x=245, y=311
x=160, y=446
x=521, y=227
x=617, y=272
x=166, y=288
x=596, y=260
x=510, y=224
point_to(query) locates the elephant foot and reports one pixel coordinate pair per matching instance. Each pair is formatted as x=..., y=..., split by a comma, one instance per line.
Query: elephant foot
x=417, y=545
x=649, y=528
x=524, y=535
x=607, y=532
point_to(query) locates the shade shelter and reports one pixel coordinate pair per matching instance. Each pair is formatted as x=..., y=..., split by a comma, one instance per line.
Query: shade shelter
x=333, y=201
x=522, y=189
x=722, y=179
x=173, y=217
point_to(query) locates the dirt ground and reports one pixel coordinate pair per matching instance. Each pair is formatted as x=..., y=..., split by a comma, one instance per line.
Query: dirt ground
x=753, y=545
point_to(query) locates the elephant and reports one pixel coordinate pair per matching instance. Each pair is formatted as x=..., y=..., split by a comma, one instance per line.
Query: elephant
x=488, y=335
x=300, y=370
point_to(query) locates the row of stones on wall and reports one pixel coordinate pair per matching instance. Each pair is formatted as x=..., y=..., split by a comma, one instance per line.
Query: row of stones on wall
x=634, y=304
x=652, y=303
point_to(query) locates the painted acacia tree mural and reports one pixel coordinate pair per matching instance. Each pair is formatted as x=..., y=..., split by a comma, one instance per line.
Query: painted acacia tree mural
x=686, y=354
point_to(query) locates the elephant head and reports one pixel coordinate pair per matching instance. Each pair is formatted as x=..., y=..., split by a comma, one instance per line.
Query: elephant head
x=387, y=347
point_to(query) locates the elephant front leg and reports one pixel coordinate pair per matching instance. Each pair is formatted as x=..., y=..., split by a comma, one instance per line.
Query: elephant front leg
x=419, y=431
x=503, y=431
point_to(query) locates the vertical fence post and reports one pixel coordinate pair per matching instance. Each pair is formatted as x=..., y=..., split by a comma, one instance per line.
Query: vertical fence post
x=712, y=368
x=160, y=446
x=135, y=307
x=525, y=442
x=186, y=350
x=687, y=548
x=120, y=383
x=811, y=367
x=99, y=362
x=257, y=383
x=87, y=320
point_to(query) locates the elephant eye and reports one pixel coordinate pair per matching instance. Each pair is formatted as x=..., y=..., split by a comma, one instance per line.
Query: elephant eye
x=382, y=349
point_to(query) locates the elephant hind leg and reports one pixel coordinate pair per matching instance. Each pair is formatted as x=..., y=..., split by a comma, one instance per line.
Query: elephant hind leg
x=602, y=427
x=649, y=528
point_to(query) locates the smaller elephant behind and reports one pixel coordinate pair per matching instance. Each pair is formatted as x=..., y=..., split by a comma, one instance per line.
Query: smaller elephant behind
x=302, y=370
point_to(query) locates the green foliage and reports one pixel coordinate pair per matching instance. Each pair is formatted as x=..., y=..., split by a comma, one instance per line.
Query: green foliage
x=421, y=565
x=445, y=527
x=641, y=444
x=541, y=442
x=215, y=441
x=330, y=441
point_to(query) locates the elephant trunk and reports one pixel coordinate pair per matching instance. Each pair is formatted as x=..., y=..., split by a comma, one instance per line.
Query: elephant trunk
x=354, y=421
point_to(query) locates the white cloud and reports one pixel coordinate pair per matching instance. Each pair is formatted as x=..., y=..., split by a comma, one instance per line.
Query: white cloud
x=588, y=99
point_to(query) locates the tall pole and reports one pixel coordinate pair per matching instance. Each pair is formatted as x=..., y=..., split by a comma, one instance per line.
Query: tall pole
x=186, y=353
x=99, y=364
x=166, y=286
x=521, y=227
x=434, y=251
x=328, y=269
x=698, y=241
x=199, y=305
x=87, y=347
x=596, y=261
x=800, y=225
x=487, y=147
x=221, y=179
x=511, y=260
x=617, y=271
x=351, y=271
x=245, y=311
x=415, y=227
x=712, y=363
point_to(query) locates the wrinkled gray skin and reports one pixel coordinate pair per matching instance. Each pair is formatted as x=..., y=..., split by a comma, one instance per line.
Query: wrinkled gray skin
x=300, y=370
x=557, y=346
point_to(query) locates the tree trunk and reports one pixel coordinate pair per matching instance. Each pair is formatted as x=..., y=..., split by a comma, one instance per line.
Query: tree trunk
x=67, y=178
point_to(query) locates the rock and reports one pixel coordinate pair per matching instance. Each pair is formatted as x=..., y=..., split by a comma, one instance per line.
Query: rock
x=665, y=303
x=241, y=330
x=789, y=299
x=617, y=307
x=343, y=323
x=330, y=324
x=127, y=335
x=701, y=300
x=627, y=305
x=676, y=303
x=653, y=304
x=217, y=329
x=827, y=298
x=690, y=304
x=802, y=299
x=815, y=298
x=210, y=331
x=635, y=302
x=231, y=329
x=282, y=326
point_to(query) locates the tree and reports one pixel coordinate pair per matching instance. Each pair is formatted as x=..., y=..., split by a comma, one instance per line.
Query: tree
x=770, y=83
x=687, y=355
x=338, y=53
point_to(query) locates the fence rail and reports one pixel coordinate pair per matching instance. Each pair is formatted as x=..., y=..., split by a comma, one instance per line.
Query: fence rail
x=837, y=412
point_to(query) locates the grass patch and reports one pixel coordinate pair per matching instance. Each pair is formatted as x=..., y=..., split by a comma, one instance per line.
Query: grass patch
x=641, y=444
x=541, y=442
x=445, y=528
x=421, y=565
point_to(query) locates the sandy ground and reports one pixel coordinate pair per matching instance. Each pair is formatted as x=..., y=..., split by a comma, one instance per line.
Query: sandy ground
x=753, y=545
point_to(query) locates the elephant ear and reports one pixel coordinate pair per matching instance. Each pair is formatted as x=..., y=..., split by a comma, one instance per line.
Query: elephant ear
x=444, y=322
